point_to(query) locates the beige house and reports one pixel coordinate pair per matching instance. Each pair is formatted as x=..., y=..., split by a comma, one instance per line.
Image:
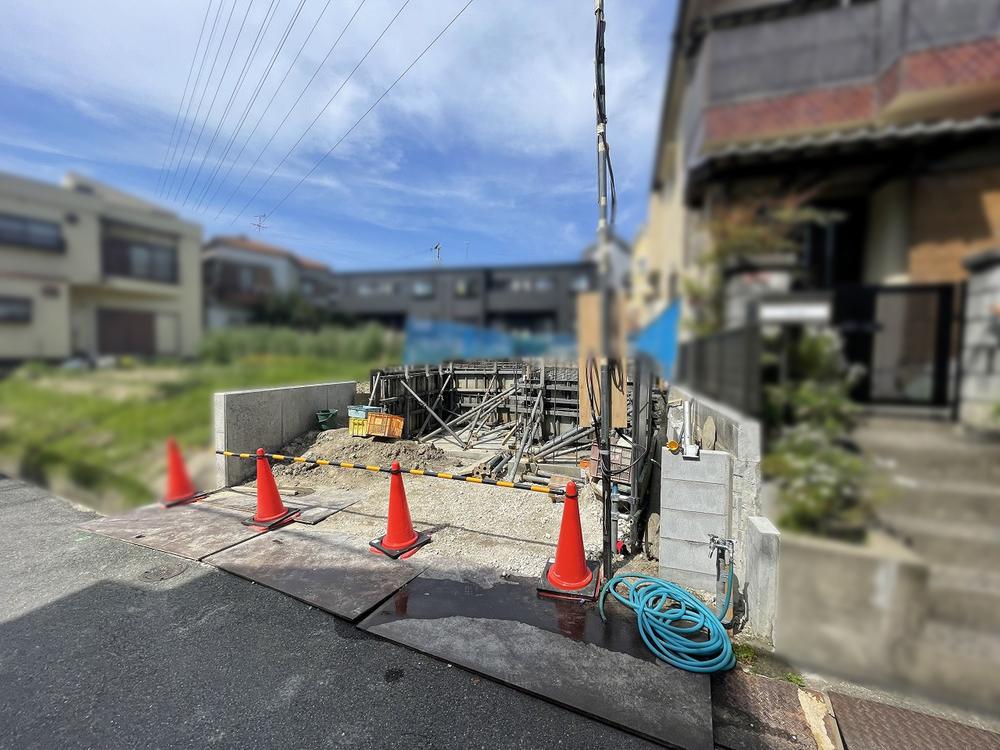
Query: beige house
x=88, y=270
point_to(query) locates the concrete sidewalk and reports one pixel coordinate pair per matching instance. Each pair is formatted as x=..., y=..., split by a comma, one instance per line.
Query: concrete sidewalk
x=111, y=645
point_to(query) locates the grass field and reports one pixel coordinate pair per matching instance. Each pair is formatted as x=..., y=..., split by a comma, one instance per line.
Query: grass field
x=98, y=436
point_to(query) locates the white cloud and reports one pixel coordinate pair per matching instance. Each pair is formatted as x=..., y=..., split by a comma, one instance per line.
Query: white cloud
x=509, y=87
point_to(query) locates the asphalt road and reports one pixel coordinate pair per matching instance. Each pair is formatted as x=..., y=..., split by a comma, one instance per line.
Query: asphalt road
x=97, y=651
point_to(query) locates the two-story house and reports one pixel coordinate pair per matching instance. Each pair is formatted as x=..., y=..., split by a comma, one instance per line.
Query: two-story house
x=516, y=299
x=879, y=114
x=240, y=273
x=88, y=270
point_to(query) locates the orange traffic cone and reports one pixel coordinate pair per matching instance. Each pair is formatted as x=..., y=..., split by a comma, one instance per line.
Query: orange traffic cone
x=271, y=512
x=180, y=489
x=400, y=538
x=569, y=574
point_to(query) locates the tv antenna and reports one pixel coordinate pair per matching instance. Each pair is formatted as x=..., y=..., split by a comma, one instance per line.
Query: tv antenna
x=260, y=223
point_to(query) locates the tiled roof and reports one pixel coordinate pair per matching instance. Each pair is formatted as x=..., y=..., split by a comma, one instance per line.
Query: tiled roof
x=245, y=243
x=844, y=139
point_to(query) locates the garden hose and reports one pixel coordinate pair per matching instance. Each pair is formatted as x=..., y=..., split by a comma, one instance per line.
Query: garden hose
x=670, y=617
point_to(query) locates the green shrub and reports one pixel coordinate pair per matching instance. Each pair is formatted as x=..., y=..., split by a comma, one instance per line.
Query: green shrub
x=367, y=343
x=822, y=486
x=34, y=369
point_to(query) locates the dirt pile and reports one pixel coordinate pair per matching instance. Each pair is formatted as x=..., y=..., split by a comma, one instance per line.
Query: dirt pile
x=338, y=445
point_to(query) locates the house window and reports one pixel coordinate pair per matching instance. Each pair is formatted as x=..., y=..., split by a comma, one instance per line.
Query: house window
x=544, y=284
x=581, y=283
x=246, y=277
x=140, y=260
x=423, y=289
x=24, y=231
x=466, y=288
x=376, y=288
x=15, y=310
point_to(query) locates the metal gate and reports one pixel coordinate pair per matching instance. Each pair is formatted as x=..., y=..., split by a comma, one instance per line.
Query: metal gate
x=906, y=338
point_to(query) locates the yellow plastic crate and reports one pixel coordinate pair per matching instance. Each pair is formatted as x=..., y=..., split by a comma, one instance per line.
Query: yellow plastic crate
x=385, y=425
x=358, y=427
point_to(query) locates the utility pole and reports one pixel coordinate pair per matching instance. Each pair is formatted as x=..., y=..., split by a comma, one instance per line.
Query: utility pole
x=605, y=280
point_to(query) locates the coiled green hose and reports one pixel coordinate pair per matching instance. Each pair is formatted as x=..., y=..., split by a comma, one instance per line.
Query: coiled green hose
x=669, y=617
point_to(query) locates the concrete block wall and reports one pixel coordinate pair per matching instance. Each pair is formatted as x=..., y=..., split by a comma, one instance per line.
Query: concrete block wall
x=695, y=501
x=270, y=418
x=740, y=436
x=980, y=386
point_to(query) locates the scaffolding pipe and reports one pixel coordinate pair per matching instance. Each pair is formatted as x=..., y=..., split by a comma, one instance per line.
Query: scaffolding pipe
x=529, y=431
x=462, y=418
x=430, y=411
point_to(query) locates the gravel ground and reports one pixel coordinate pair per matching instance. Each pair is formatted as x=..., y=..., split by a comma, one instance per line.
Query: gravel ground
x=512, y=531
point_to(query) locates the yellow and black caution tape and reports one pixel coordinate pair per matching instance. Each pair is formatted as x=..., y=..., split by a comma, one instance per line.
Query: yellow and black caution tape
x=388, y=470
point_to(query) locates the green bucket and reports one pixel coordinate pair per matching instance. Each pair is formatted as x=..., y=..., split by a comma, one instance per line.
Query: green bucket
x=327, y=419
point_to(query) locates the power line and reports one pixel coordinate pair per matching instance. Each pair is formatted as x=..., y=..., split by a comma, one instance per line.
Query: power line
x=323, y=110
x=180, y=106
x=283, y=119
x=218, y=88
x=254, y=48
x=201, y=99
x=253, y=99
x=267, y=106
x=368, y=111
x=194, y=89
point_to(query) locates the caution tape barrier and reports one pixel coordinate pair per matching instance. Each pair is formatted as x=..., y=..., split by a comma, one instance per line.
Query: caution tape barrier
x=388, y=470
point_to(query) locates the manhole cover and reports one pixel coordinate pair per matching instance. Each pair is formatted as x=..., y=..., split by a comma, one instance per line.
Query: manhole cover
x=163, y=572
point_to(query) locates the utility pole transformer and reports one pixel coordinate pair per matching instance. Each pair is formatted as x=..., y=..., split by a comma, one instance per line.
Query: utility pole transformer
x=606, y=281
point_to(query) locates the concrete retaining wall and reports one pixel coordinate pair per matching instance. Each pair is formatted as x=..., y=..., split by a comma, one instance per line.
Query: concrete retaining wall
x=270, y=418
x=760, y=585
x=851, y=610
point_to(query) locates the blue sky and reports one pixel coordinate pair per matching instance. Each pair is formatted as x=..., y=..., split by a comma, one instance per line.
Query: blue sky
x=486, y=146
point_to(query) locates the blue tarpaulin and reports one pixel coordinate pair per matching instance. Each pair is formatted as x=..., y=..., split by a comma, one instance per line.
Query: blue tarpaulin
x=659, y=339
x=434, y=341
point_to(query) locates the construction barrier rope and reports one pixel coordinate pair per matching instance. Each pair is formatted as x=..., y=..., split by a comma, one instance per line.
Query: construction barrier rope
x=388, y=470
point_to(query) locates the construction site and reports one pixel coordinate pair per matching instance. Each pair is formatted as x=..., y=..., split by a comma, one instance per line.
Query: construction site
x=550, y=512
x=458, y=511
